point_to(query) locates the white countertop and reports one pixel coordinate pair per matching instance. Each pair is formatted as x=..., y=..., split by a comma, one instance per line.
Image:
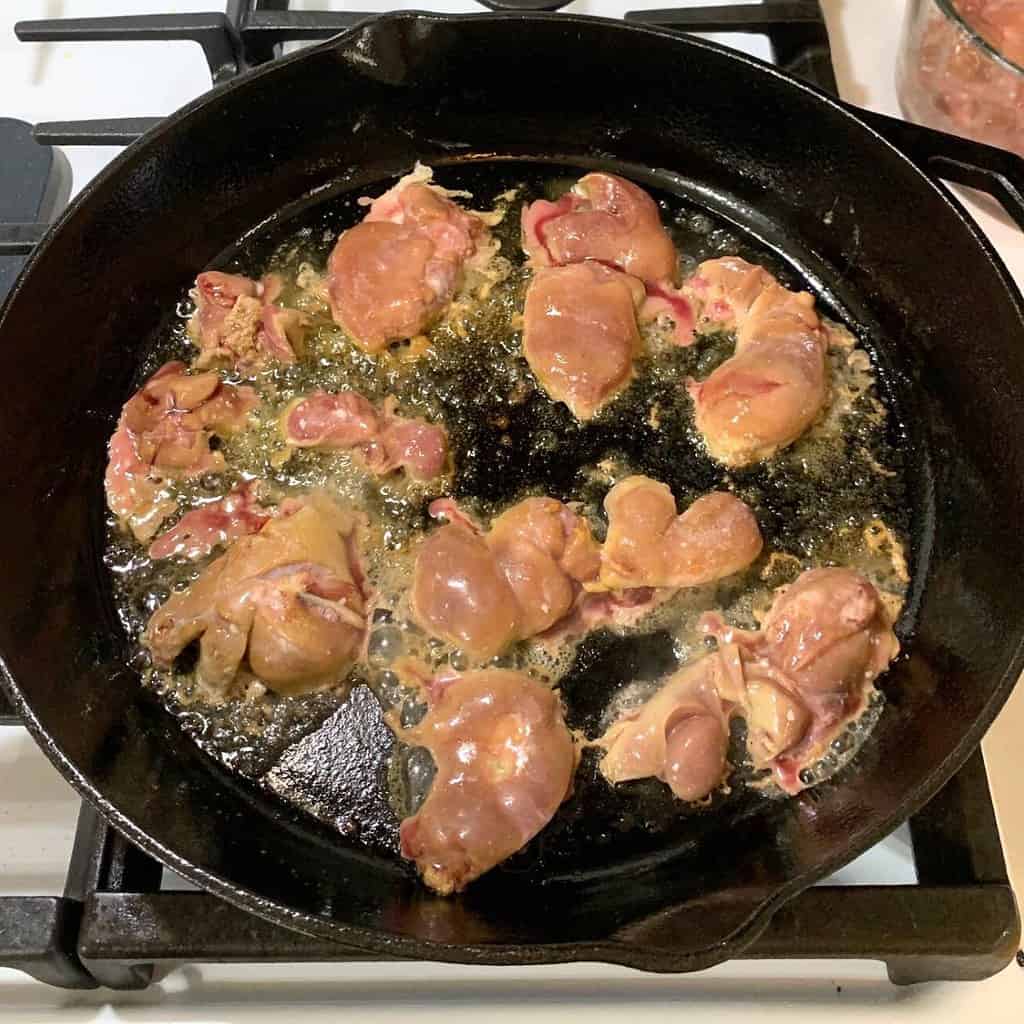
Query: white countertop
x=61, y=82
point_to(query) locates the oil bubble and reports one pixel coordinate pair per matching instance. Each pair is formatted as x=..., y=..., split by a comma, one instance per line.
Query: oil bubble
x=385, y=646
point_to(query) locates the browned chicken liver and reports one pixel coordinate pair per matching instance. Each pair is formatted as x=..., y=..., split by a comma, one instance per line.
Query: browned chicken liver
x=483, y=591
x=649, y=545
x=608, y=221
x=602, y=218
x=580, y=333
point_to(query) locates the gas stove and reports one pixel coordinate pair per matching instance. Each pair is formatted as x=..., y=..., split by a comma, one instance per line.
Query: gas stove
x=931, y=902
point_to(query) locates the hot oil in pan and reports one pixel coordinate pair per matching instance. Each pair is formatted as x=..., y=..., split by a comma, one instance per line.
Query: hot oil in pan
x=838, y=496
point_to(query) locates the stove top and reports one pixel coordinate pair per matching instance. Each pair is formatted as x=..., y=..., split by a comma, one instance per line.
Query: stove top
x=122, y=916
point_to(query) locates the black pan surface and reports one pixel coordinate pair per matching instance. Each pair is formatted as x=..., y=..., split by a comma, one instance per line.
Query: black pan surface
x=795, y=174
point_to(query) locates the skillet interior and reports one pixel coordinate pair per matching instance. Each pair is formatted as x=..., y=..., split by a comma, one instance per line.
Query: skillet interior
x=893, y=253
x=510, y=440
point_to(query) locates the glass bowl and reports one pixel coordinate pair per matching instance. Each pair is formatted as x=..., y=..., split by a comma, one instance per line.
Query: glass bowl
x=961, y=69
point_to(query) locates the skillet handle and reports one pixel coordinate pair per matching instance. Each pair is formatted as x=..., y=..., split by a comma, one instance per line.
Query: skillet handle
x=975, y=164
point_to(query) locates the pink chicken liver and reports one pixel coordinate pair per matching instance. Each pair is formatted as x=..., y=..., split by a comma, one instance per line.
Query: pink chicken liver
x=164, y=433
x=287, y=604
x=202, y=529
x=825, y=640
x=772, y=389
x=798, y=681
x=505, y=762
x=392, y=275
x=580, y=333
x=679, y=736
x=606, y=219
x=238, y=324
x=485, y=591
x=649, y=545
x=381, y=439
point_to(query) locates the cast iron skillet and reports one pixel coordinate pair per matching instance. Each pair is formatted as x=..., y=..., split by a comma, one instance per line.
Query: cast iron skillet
x=882, y=243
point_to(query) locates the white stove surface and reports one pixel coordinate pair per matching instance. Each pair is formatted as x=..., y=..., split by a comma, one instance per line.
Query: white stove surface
x=38, y=809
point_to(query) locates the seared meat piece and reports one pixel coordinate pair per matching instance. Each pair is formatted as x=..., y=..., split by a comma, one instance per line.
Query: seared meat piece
x=606, y=220
x=772, y=389
x=164, y=433
x=485, y=591
x=544, y=550
x=460, y=593
x=383, y=440
x=134, y=492
x=378, y=281
x=603, y=218
x=215, y=295
x=808, y=671
x=392, y=275
x=649, y=545
x=202, y=529
x=607, y=609
x=286, y=603
x=236, y=322
x=580, y=335
x=679, y=736
x=527, y=576
x=798, y=681
x=505, y=762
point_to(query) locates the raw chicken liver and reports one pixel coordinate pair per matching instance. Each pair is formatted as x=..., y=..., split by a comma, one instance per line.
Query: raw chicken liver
x=164, y=433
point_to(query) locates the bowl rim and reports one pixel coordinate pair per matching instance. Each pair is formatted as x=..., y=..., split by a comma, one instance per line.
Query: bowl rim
x=949, y=8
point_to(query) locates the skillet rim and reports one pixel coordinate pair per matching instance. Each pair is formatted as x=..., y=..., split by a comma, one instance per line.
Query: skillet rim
x=650, y=958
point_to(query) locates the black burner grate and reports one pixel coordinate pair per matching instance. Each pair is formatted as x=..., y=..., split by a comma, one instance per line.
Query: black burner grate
x=113, y=926
x=252, y=31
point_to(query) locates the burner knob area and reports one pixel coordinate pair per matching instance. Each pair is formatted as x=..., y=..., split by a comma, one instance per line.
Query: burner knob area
x=525, y=5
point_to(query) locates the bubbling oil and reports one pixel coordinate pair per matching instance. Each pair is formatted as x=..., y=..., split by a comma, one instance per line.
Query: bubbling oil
x=837, y=496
